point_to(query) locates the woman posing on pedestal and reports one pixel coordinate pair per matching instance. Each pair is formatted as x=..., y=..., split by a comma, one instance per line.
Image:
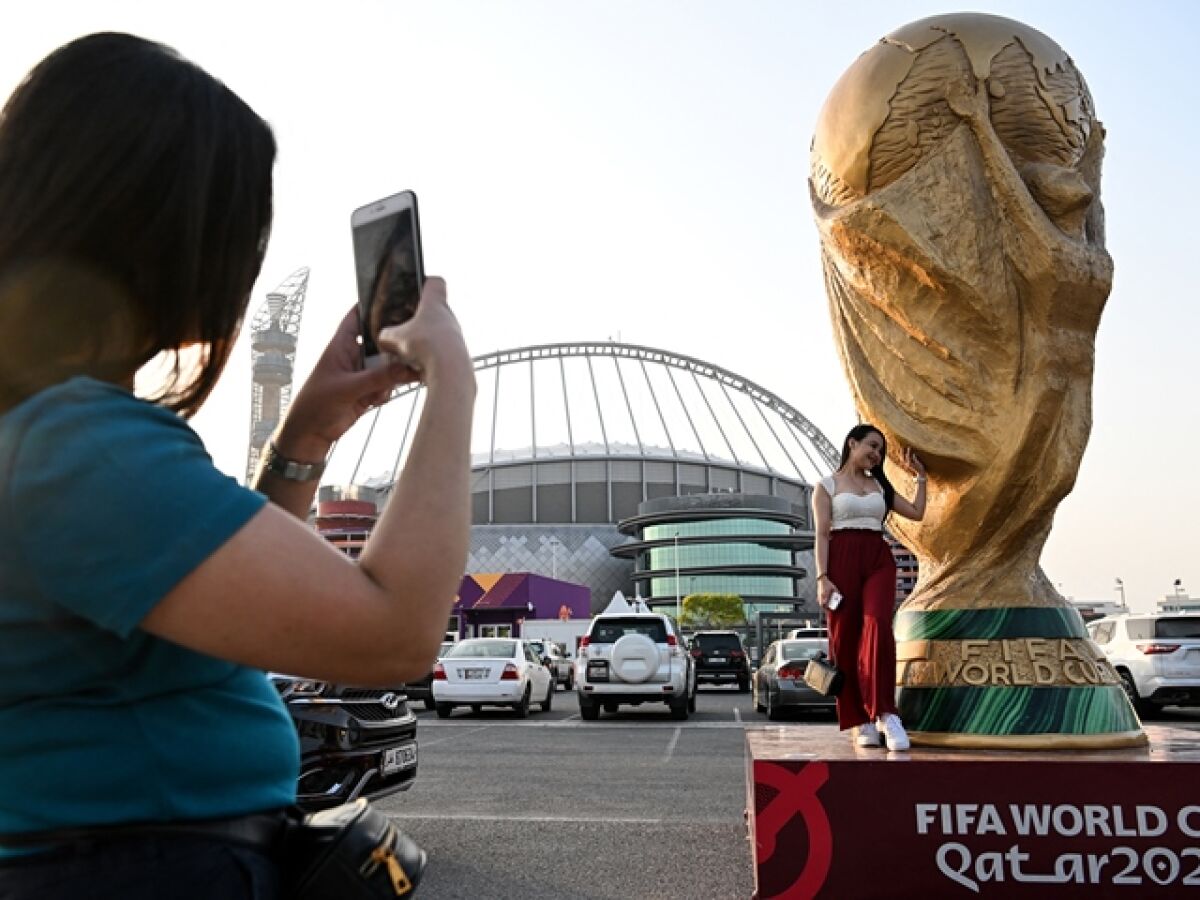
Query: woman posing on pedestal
x=854, y=561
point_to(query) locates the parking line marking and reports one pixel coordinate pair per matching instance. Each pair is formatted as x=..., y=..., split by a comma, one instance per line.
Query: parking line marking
x=671, y=746
x=449, y=736
x=611, y=724
x=492, y=817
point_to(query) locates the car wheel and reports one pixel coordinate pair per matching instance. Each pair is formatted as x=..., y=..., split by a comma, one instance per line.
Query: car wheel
x=758, y=705
x=691, y=704
x=679, y=709
x=443, y=710
x=522, y=708
x=429, y=703
x=1140, y=706
x=571, y=680
x=588, y=708
x=744, y=685
x=549, y=696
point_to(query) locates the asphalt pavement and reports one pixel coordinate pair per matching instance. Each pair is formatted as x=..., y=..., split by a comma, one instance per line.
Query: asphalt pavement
x=634, y=805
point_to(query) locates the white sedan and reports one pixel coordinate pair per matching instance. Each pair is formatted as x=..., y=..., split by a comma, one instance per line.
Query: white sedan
x=482, y=672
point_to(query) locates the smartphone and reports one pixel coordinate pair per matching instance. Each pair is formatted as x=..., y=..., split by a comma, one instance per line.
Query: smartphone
x=835, y=600
x=389, y=266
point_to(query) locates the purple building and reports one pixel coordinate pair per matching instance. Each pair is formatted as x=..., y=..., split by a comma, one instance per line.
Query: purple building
x=498, y=605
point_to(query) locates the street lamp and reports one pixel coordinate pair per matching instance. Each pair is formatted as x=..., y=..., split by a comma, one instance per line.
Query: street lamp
x=1178, y=586
x=554, y=543
x=1121, y=587
x=678, y=601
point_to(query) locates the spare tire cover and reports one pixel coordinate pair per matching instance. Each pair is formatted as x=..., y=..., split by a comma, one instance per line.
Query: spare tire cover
x=634, y=658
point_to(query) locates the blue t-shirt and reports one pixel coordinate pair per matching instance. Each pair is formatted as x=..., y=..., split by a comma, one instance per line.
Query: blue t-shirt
x=106, y=503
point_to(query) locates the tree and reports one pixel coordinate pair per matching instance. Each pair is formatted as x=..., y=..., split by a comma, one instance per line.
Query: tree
x=712, y=611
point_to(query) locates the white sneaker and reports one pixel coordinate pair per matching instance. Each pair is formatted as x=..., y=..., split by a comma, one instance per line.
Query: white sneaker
x=894, y=735
x=866, y=735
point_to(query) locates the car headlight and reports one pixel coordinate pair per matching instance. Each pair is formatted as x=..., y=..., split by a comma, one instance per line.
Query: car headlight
x=294, y=688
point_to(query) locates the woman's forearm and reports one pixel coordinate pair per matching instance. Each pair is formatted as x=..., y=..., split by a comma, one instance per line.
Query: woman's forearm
x=418, y=549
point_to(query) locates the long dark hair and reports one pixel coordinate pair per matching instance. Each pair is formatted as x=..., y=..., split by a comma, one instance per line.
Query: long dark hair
x=135, y=204
x=858, y=433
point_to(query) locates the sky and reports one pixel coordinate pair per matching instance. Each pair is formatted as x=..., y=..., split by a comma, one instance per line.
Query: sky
x=637, y=171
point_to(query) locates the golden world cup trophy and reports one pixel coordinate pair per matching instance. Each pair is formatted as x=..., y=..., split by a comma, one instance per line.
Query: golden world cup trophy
x=956, y=184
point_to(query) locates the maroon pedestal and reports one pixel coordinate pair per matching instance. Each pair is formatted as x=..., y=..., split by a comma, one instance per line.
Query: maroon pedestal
x=830, y=820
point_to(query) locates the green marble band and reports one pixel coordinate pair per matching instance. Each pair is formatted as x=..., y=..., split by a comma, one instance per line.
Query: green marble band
x=1017, y=710
x=1002, y=623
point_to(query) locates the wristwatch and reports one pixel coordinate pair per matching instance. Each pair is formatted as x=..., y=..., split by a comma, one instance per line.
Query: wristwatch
x=277, y=463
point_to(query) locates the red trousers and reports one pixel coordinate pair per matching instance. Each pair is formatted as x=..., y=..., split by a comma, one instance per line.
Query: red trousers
x=861, y=641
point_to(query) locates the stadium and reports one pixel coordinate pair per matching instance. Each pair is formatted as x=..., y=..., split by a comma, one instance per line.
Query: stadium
x=624, y=467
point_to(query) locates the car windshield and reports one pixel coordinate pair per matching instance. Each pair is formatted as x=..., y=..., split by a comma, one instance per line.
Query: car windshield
x=793, y=650
x=1182, y=627
x=717, y=642
x=490, y=648
x=608, y=631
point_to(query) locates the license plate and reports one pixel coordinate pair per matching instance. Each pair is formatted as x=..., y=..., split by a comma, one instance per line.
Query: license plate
x=717, y=659
x=397, y=758
x=474, y=674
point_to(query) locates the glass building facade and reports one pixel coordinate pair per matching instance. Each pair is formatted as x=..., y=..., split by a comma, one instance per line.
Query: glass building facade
x=722, y=543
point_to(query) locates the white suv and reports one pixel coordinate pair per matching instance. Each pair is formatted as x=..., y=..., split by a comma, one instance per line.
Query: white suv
x=1156, y=655
x=634, y=658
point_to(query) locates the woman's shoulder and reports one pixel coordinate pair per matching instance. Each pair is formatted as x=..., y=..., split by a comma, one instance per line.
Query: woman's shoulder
x=87, y=416
x=83, y=396
x=830, y=485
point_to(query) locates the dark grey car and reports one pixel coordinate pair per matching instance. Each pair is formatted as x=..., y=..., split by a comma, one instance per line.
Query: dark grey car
x=779, y=682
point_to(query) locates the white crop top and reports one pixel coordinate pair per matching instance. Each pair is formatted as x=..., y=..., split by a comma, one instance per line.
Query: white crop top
x=852, y=511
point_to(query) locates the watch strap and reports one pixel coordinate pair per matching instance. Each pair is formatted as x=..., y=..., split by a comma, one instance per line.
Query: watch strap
x=290, y=469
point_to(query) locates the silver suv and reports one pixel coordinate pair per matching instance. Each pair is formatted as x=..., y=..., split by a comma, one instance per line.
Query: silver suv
x=634, y=658
x=560, y=665
x=1156, y=655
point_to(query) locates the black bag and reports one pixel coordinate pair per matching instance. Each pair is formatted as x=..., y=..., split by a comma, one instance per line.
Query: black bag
x=349, y=852
x=823, y=676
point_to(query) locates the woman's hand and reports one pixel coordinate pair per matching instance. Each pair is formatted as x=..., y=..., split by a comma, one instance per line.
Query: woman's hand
x=340, y=390
x=825, y=589
x=912, y=509
x=912, y=463
x=431, y=343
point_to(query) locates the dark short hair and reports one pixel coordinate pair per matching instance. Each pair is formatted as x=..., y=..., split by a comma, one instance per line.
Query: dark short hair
x=135, y=204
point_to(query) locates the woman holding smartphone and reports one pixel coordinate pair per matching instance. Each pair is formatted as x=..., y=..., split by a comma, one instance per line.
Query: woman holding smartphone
x=143, y=752
x=854, y=562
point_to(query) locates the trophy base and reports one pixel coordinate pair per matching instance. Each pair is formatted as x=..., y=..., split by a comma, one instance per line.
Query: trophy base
x=1009, y=678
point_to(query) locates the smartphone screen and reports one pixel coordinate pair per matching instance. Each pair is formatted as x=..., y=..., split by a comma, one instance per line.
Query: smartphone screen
x=387, y=260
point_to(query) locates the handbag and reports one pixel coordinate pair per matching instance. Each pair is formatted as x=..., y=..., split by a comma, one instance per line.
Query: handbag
x=823, y=676
x=349, y=852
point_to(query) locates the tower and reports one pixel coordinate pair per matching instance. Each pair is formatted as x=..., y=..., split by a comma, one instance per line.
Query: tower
x=274, y=333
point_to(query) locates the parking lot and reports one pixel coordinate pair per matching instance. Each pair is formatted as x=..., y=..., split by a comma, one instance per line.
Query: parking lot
x=633, y=805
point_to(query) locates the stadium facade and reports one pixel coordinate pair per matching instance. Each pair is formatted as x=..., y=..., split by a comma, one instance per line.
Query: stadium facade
x=628, y=468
